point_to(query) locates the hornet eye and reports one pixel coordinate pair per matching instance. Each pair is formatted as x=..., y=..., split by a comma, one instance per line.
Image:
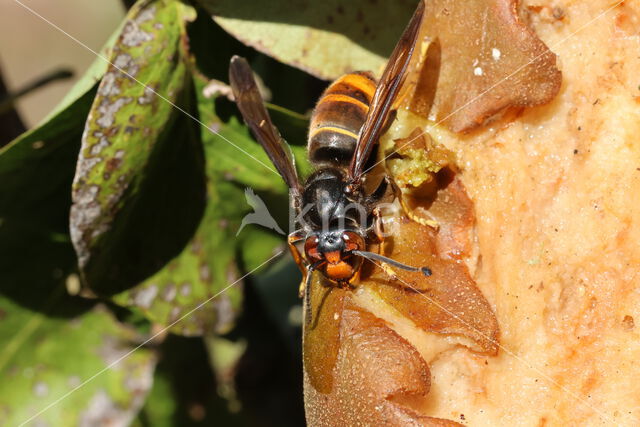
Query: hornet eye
x=311, y=248
x=352, y=241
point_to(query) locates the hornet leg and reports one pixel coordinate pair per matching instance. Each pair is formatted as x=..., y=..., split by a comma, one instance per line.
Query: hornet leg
x=294, y=238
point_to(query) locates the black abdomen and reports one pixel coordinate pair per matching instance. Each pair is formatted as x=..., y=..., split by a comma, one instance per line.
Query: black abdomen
x=337, y=119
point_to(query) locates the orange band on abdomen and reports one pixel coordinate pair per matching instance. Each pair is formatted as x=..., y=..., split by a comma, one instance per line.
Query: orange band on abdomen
x=332, y=129
x=338, y=97
x=357, y=82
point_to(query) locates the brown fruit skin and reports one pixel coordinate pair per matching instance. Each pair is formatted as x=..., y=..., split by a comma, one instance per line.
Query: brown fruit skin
x=377, y=375
x=488, y=61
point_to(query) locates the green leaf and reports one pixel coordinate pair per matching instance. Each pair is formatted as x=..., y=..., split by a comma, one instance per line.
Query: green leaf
x=325, y=38
x=278, y=290
x=204, y=268
x=224, y=356
x=252, y=168
x=184, y=391
x=160, y=405
x=130, y=135
x=44, y=358
x=257, y=244
x=36, y=169
x=293, y=125
x=289, y=87
x=52, y=342
x=35, y=263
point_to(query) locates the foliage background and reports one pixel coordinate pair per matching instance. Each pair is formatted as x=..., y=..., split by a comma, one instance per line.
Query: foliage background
x=159, y=239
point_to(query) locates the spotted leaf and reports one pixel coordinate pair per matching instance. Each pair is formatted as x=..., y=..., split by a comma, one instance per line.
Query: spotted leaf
x=133, y=138
x=194, y=284
x=45, y=358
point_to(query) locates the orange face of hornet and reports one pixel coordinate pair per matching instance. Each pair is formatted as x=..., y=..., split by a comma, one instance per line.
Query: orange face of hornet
x=332, y=252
